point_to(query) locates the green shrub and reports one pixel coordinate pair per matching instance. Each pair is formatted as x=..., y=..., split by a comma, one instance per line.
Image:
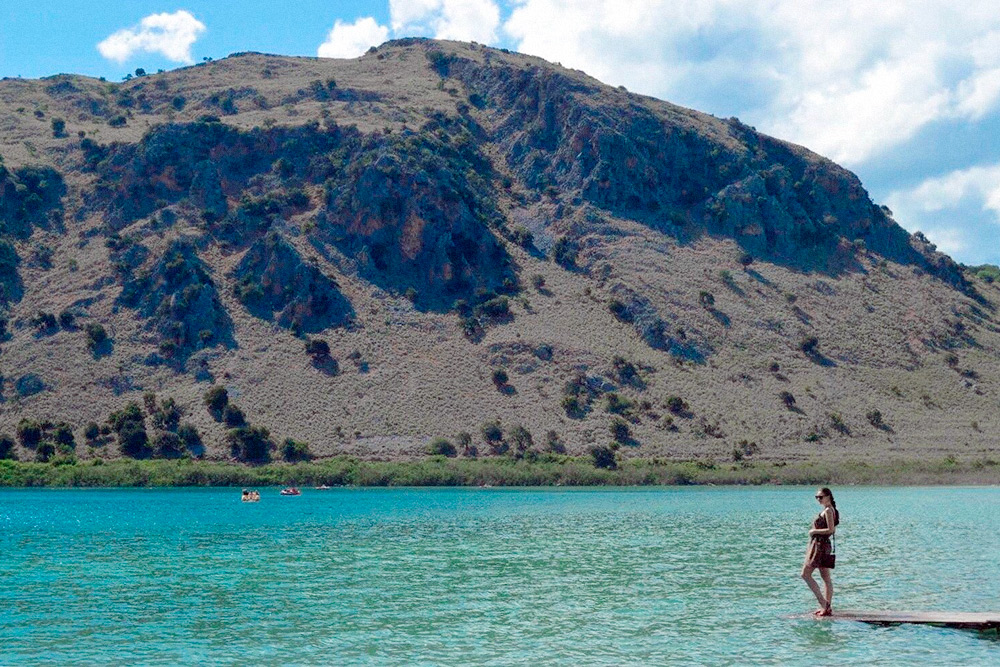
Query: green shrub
x=500, y=378
x=838, y=424
x=216, y=400
x=96, y=335
x=294, y=451
x=576, y=396
x=573, y=406
x=620, y=431
x=604, y=457
x=676, y=405
x=251, y=444
x=7, y=448
x=167, y=416
x=43, y=321
x=520, y=438
x=247, y=291
x=744, y=449
x=133, y=440
x=317, y=348
x=787, y=399
x=620, y=310
x=29, y=432
x=62, y=434
x=553, y=443
x=45, y=451
x=808, y=345
x=625, y=371
x=617, y=404
x=538, y=281
x=441, y=447
x=522, y=237
x=149, y=401
x=564, y=253
x=58, y=127
x=706, y=299
x=189, y=434
x=497, y=308
x=118, y=121
x=233, y=416
x=464, y=440
x=492, y=432
x=875, y=418
x=168, y=445
x=91, y=431
x=130, y=426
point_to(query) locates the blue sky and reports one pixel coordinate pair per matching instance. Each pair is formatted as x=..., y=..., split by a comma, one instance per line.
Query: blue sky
x=905, y=94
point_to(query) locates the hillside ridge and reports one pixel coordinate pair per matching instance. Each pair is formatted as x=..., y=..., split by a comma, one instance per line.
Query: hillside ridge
x=445, y=240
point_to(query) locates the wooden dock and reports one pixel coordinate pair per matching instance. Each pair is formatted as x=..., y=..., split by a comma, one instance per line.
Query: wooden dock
x=944, y=619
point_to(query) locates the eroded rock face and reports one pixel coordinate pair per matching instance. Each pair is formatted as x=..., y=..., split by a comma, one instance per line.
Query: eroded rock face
x=205, y=164
x=682, y=171
x=181, y=302
x=416, y=211
x=274, y=282
x=29, y=197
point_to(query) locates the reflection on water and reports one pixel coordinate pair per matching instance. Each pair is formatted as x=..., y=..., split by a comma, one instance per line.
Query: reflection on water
x=485, y=576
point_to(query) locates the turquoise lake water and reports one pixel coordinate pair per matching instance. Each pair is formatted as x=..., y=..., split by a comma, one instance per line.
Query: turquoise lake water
x=486, y=576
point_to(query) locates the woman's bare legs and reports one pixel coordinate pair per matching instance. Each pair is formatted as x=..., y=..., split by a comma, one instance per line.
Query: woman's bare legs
x=807, y=576
x=824, y=572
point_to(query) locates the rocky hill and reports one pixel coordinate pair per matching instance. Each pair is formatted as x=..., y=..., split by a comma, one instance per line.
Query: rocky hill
x=441, y=239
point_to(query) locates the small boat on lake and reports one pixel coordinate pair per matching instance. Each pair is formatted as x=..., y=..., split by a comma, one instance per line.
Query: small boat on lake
x=291, y=491
x=323, y=487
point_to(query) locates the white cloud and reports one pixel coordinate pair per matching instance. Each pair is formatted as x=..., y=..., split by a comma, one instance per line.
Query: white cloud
x=467, y=20
x=959, y=211
x=849, y=79
x=170, y=35
x=981, y=184
x=350, y=40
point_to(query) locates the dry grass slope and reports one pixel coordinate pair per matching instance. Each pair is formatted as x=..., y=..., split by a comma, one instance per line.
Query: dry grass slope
x=893, y=338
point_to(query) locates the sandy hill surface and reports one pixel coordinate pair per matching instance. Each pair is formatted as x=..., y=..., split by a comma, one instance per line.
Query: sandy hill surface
x=439, y=211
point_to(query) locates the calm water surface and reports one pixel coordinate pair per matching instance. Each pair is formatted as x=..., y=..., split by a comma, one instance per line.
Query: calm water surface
x=486, y=576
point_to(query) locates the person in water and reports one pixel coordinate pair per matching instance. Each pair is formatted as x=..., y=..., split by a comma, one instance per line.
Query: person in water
x=820, y=554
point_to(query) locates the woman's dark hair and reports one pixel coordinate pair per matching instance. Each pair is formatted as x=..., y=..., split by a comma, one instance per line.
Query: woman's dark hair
x=836, y=513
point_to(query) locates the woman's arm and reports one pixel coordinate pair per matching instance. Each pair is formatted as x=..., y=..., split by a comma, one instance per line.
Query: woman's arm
x=831, y=528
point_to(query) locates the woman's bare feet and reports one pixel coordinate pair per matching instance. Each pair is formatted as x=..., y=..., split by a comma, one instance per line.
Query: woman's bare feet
x=825, y=611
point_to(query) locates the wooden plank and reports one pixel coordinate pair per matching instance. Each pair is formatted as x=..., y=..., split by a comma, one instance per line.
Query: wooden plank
x=948, y=619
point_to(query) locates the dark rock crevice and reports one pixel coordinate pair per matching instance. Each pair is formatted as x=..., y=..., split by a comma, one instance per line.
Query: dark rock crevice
x=181, y=303
x=274, y=283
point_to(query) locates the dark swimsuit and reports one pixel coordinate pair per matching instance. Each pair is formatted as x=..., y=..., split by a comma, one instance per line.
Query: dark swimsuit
x=821, y=551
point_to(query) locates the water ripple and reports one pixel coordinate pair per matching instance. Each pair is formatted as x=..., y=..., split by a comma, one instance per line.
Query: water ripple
x=474, y=577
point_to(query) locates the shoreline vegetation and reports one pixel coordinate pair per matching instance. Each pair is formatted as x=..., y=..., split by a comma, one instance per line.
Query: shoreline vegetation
x=442, y=471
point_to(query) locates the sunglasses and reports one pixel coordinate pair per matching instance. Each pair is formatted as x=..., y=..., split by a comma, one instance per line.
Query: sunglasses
x=820, y=496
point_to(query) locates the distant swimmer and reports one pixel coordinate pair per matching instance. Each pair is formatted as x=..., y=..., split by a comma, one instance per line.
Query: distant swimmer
x=821, y=553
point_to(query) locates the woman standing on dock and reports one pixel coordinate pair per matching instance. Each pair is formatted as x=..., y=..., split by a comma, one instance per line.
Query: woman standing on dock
x=820, y=553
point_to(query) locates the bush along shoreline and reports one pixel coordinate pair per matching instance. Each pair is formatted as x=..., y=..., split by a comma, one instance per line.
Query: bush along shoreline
x=551, y=470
